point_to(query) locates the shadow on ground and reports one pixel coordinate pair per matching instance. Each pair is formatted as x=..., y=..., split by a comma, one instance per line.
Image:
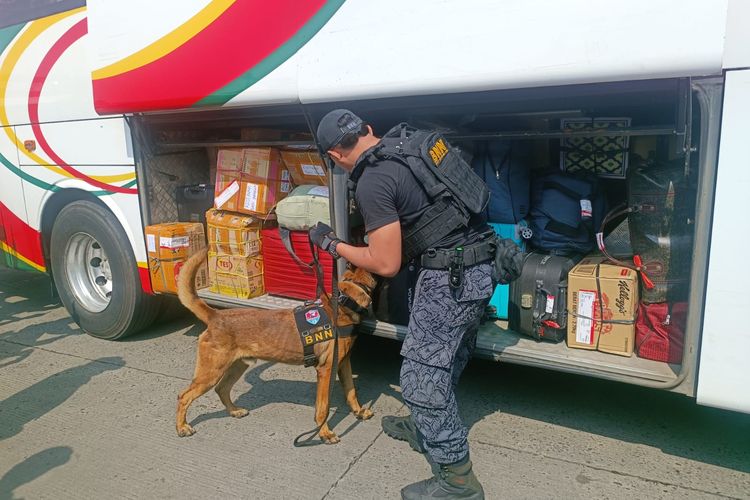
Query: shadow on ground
x=32, y=468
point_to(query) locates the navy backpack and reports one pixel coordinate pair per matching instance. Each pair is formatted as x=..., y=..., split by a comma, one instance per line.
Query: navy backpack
x=566, y=212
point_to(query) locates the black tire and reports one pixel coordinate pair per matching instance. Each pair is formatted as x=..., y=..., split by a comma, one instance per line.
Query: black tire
x=128, y=309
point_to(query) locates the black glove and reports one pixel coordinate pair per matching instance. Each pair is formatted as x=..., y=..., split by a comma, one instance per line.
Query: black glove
x=508, y=261
x=323, y=237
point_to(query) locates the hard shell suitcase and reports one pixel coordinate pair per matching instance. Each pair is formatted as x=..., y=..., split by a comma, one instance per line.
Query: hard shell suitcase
x=538, y=298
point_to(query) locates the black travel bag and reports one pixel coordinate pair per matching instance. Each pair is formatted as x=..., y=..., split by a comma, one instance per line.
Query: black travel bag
x=538, y=298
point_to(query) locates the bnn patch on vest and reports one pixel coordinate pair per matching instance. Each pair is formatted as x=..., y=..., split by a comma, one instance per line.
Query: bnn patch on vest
x=438, y=151
x=313, y=324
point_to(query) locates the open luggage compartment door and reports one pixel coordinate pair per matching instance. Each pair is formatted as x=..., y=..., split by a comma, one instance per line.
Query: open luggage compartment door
x=724, y=369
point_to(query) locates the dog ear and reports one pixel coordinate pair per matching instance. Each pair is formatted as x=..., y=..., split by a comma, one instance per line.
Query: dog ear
x=355, y=293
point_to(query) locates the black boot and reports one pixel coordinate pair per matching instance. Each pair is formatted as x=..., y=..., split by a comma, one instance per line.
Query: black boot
x=451, y=481
x=403, y=429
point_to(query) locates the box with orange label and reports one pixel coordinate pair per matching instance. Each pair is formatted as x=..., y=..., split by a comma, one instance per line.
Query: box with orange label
x=305, y=167
x=233, y=234
x=236, y=276
x=602, y=304
x=250, y=180
x=169, y=246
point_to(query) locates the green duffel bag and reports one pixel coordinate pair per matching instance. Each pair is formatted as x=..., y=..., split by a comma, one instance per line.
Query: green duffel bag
x=303, y=208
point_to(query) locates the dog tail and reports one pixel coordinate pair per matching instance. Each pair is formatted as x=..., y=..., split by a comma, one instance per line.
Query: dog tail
x=186, y=287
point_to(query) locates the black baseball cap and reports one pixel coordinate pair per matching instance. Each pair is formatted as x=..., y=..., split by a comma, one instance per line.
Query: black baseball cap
x=335, y=125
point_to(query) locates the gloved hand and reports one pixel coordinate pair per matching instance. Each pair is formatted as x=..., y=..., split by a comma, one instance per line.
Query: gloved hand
x=508, y=261
x=323, y=237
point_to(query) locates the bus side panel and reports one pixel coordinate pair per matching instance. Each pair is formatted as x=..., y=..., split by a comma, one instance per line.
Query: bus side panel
x=52, y=139
x=724, y=369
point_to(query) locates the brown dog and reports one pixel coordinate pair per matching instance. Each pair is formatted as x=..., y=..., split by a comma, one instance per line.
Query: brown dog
x=235, y=337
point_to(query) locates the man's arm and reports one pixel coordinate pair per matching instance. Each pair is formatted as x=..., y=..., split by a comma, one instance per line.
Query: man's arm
x=382, y=256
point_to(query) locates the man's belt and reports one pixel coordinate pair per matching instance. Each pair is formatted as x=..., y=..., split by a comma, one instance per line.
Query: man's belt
x=468, y=255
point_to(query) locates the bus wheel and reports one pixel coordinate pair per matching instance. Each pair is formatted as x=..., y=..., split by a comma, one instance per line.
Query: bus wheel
x=96, y=274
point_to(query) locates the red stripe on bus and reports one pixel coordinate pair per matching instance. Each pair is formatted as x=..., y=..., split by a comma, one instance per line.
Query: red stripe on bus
x=240, y=38
x=58, y=48
x=21, y=237
x=145, y=277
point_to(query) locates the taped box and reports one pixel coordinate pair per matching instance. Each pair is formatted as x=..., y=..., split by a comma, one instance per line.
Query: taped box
x=233, y=234
x=169, y=246
x=250, y=180
x=236, y=276
x=305, y=167
x=602, y=306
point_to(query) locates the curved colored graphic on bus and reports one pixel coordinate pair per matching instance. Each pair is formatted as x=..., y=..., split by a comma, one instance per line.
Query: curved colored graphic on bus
x=237, y=42
x=17, y=45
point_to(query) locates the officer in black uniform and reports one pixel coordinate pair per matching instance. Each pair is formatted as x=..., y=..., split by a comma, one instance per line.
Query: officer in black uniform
x=445, y=315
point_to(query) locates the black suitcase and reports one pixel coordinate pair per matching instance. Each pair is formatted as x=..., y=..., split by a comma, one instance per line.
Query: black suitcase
x=396, y=295
x=538, y=298
x=193, y=201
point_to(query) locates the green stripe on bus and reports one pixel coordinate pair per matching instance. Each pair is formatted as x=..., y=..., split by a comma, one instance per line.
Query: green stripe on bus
x=50, y=187
x=8, y=34
x=263, y=68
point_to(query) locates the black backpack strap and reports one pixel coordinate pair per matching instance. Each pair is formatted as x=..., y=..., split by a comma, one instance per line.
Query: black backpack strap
x=565, y=190
x=286, y=239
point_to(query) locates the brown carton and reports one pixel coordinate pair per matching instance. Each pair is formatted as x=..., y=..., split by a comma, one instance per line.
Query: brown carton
x=233, y=234
x=169, y=246
x=598, y=290
x=305, y=167
x=250, y=180
x=236, y=276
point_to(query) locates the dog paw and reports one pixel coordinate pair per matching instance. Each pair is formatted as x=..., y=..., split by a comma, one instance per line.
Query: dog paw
x=330, y=438
x=185, y=431
x=364, y=414
x=239, y=413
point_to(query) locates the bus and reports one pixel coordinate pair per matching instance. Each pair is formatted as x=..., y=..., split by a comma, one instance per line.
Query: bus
x=107, y=107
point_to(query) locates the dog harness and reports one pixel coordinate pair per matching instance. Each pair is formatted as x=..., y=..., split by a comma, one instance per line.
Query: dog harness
x=315, y=327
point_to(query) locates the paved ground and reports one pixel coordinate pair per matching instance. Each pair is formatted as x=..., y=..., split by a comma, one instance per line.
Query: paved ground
x=82, y=418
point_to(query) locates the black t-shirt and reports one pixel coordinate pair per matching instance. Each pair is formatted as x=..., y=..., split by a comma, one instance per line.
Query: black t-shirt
x=387, y=192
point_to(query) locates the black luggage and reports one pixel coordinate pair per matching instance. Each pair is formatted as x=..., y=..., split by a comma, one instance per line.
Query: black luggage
x=193, y=201
x=538, y=298
x=396, y=295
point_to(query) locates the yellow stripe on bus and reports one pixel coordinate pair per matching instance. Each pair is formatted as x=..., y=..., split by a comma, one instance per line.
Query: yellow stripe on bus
x=5, y=248
x=14, y=54
x=168, y=42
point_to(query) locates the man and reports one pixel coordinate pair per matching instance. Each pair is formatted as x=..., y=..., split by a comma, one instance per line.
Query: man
x=447, y=306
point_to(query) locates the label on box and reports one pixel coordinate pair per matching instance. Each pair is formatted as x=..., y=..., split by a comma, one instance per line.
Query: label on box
x=230, y=191
x=176, y=242
x=285, y=187
x=550, y=304
x=151, y=242
x=285, y=175
x=251, y=198
x=584, y=320
x=312, y=170
x=319, y=191
x=586, y=208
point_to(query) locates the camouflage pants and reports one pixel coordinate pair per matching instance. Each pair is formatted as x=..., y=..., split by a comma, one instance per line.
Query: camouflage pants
x=441, y=338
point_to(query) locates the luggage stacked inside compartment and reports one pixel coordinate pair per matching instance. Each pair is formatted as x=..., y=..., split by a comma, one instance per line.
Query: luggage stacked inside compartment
x=555, y=210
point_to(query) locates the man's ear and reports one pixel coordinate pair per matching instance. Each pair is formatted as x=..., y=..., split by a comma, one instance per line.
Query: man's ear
x=335, y=154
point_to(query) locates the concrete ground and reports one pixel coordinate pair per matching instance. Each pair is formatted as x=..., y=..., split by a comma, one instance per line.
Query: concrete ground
x=82, y=418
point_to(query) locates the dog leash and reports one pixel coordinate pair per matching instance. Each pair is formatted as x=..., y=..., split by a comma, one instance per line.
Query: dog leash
x=307, y=438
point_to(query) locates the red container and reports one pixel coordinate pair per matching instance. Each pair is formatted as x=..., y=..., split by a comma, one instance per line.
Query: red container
x=285, y=277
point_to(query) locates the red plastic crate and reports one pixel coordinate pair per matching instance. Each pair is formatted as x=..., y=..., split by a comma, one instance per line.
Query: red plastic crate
x=285, y=277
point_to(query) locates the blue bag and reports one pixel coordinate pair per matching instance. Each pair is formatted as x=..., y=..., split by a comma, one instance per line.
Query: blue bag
x=503, y=166
x=566, y=212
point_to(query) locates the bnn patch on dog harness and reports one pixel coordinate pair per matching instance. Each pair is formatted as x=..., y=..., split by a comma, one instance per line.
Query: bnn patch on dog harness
x=314, y=326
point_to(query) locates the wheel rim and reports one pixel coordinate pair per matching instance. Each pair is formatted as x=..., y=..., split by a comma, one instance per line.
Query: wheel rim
x=88, y=272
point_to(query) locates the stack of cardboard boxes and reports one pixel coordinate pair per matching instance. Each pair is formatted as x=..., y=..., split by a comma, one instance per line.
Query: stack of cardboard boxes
x=249, y=182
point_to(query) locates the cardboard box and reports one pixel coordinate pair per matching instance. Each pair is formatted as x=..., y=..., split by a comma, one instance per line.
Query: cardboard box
x=233, y=234
x=618, y=302
x=169, y=246
x=305, y=167
x=250, y=180
x=236, y=276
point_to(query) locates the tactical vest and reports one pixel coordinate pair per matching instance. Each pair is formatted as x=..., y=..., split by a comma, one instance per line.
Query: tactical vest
x=455, y=192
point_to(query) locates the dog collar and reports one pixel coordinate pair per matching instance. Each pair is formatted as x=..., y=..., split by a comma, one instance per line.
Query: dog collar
x=348, y=302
